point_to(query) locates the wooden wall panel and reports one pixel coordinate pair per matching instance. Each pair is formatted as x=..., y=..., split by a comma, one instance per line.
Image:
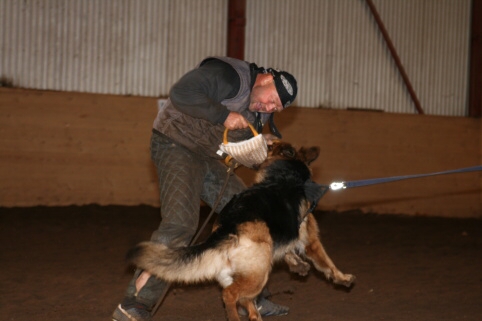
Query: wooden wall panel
x=67, y=148
x=59, y=148
x=361, y=145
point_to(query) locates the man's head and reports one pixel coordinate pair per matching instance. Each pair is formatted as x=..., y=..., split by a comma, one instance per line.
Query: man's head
x=286, y=86
x=273, y=91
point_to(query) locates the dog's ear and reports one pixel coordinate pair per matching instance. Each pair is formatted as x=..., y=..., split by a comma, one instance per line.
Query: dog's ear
x=289, y=152
x=308, y=155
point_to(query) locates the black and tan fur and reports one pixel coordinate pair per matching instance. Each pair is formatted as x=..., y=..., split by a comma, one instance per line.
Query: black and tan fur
x=266, y=223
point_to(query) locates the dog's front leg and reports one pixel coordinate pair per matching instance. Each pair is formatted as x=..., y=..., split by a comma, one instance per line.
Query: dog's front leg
x=317, y=254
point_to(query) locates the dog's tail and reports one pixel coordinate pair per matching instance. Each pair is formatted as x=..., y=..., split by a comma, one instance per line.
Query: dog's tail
x=182, y=265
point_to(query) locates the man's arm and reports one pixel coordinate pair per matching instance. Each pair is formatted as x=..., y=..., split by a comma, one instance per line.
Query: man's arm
x=199, y=92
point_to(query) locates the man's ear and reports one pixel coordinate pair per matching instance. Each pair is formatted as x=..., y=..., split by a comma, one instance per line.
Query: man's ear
x=308, y=155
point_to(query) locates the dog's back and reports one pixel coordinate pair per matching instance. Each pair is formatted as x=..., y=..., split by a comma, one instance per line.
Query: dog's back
x=277, y=201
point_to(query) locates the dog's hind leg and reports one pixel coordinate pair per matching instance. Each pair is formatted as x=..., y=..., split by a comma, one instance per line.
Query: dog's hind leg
x=317, y=254
x=251, y=261
x=243, y=291
x=230, y=297
x=253, y=313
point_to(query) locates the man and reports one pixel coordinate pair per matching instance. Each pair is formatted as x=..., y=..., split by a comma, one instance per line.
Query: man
x=220, y=93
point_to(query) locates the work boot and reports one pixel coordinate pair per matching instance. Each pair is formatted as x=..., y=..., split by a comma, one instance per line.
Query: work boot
x=130, y=310
x=265, y=307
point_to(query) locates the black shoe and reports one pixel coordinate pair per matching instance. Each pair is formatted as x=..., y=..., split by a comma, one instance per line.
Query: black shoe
x=129, y=310
x=266, y=308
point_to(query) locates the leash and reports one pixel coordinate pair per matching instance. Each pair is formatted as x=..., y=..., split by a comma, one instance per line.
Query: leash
x=343, y=185
x=316, y=191
x=230, y=171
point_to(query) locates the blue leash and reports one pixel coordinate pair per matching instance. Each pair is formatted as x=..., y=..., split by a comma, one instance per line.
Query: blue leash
x=343, y=185
x=315, y=192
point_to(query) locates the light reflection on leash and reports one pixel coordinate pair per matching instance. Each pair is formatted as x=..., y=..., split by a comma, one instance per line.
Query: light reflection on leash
x=335, y=186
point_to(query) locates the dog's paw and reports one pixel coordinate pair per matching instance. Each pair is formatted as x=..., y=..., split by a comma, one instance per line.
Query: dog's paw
x=345, y=280
x=296, y=264
x=301, y=268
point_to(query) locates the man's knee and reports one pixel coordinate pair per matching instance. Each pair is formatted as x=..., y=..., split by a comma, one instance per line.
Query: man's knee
x=173, y=235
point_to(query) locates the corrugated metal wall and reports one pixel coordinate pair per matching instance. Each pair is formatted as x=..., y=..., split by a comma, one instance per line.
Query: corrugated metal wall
x=137, y=47
x=341, y=60
x=334, y=47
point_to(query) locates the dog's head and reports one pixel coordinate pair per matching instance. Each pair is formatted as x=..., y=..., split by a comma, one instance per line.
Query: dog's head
x=285, y=151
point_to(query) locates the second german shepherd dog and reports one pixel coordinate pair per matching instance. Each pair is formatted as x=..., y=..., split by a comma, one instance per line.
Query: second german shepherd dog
x=268, y=222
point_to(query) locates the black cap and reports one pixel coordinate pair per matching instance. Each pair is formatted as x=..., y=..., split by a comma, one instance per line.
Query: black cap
x=286, y=86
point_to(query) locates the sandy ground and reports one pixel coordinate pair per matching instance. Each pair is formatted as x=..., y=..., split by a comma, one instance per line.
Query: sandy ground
x=67, y=263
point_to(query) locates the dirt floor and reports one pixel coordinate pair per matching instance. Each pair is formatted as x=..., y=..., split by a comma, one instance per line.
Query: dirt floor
x=67, y=263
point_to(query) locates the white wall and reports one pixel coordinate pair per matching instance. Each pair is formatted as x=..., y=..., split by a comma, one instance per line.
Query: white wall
x=141, y=47
x=133, y=47
x=338, y=54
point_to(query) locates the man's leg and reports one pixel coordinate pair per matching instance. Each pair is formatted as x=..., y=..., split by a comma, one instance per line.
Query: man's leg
x=214, y=180
x=180, y=180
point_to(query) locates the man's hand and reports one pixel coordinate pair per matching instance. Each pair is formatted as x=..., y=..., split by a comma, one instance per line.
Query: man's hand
x=235, y=121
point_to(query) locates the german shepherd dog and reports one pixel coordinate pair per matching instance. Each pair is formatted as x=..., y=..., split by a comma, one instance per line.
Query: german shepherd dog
x=268, y=222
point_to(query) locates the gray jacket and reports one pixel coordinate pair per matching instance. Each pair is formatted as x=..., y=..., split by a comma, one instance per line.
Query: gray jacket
x=202, y=136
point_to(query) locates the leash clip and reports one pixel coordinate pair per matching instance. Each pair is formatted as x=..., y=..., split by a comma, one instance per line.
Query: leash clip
x=337, y=186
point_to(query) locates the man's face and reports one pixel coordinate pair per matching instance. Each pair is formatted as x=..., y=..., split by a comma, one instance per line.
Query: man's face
x=264, y=98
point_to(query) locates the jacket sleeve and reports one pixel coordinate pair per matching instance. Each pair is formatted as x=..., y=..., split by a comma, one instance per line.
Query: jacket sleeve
x=200, y=91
